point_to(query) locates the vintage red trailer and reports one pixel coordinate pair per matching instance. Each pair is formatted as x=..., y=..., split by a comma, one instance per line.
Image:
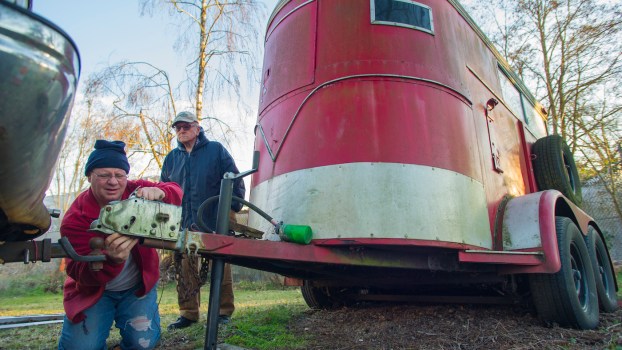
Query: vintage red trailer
x=396, y=131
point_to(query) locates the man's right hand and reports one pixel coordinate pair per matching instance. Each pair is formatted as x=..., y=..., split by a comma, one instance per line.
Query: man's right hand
x=118, y=247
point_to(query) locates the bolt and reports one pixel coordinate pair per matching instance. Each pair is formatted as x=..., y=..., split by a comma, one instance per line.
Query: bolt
x=162, y=217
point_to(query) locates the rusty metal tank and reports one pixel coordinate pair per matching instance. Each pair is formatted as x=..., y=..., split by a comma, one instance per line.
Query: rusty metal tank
x=39, y=71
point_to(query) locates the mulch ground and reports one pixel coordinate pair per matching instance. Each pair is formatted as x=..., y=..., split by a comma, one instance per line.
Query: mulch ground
x=448, y=327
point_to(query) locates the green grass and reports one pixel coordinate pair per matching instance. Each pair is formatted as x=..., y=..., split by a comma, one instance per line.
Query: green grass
x=265, y=328
x=259, y=321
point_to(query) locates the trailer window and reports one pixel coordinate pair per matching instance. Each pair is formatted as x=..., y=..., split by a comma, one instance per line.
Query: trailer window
x=535, y=122
x=511, y=95
x=403, y=13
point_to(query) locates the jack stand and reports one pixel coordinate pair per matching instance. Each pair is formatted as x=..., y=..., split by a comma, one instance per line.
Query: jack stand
x=218, y=264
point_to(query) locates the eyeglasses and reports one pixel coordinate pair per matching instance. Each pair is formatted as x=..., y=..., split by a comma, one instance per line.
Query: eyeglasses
x=184, y=126
x=107, y=177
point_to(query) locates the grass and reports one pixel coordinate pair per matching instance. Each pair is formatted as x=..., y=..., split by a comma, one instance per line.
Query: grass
x=259, y=321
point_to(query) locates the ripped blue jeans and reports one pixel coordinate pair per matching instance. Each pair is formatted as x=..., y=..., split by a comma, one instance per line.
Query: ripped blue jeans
x=137, y=319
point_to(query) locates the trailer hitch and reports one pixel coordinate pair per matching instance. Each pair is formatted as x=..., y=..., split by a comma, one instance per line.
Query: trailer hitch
x=43, y=250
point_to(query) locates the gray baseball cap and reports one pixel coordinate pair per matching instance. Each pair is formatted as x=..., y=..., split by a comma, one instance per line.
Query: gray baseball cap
x=187, y=117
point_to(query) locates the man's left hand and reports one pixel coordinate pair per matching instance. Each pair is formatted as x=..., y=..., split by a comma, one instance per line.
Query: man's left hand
x=150, y=193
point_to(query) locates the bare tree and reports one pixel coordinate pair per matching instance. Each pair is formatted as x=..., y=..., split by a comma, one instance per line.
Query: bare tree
x=600, y=147
x=221, y=37
x=68, y=179
x=141, y=97
x=89, y=123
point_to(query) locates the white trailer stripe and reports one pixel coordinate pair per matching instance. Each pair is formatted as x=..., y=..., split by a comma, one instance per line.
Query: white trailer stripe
x=378, y=200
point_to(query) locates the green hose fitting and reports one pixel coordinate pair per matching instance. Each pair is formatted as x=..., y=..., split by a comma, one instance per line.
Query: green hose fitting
x=300, y=234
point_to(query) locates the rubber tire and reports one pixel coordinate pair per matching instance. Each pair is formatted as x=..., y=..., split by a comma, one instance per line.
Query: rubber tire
x=555, y=169
x=568, y=297
x=319, y=297
x=603, y=271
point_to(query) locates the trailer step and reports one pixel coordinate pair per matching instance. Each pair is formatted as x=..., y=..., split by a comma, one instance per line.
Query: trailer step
x=501, y=257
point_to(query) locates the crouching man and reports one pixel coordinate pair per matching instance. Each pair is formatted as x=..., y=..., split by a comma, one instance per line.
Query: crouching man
x=124, y=290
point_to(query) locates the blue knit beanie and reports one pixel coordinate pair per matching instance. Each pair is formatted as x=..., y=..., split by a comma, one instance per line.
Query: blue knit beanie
x=107, y=154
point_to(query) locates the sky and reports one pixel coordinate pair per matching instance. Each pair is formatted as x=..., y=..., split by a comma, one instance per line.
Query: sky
x=109, y=31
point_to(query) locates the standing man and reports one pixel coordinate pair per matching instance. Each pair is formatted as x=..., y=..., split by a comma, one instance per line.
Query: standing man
x=124, y=290
x=198, y=166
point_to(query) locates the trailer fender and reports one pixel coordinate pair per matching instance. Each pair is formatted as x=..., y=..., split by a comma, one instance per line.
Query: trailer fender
x=529, y=225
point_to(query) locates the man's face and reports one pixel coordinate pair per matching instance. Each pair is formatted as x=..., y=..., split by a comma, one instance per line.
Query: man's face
x=107, y=184
x=186, y=132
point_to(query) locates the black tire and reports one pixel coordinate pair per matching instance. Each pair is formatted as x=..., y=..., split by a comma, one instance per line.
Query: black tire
x=321, y=297
x=555, y=169
x=568, y=297
x=603, y=272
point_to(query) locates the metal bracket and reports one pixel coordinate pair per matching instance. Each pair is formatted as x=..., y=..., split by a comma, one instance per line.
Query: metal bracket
x=140, y=217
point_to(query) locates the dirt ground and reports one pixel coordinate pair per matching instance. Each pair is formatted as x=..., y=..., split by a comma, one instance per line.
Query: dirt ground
x=448, y=327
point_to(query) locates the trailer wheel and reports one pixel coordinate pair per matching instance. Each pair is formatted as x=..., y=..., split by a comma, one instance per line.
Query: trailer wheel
x=321, y=297
x=555, y=169
x=568, y=297
x=603, y=272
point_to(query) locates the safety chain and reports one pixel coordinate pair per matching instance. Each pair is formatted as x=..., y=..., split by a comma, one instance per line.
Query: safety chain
x=177, y=263
x=189, y=287
x=204, y=270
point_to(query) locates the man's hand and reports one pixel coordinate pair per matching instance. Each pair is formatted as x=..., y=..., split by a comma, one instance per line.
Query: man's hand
x=118, y=247
x=150, y=193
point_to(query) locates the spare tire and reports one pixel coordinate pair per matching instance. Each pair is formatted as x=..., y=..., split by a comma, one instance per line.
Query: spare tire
x=555, y=169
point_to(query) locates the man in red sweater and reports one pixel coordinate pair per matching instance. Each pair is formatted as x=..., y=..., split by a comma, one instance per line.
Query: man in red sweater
x=124, y=290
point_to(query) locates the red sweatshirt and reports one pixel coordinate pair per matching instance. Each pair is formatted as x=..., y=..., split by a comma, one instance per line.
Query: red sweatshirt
x=84, y=287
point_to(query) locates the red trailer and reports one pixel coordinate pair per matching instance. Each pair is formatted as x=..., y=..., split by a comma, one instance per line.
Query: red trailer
x=396, y=131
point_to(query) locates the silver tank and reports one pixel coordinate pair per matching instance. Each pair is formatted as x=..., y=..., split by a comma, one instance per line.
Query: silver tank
x=39, y=71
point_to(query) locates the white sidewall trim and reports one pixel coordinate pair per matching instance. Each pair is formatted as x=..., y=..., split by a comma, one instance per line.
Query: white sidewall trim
x=377, y=200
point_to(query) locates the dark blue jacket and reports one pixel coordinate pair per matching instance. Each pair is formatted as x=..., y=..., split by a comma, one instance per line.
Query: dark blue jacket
x=199, y=173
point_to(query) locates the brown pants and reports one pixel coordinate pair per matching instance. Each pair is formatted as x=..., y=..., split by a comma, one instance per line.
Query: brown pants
x=189, y=305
